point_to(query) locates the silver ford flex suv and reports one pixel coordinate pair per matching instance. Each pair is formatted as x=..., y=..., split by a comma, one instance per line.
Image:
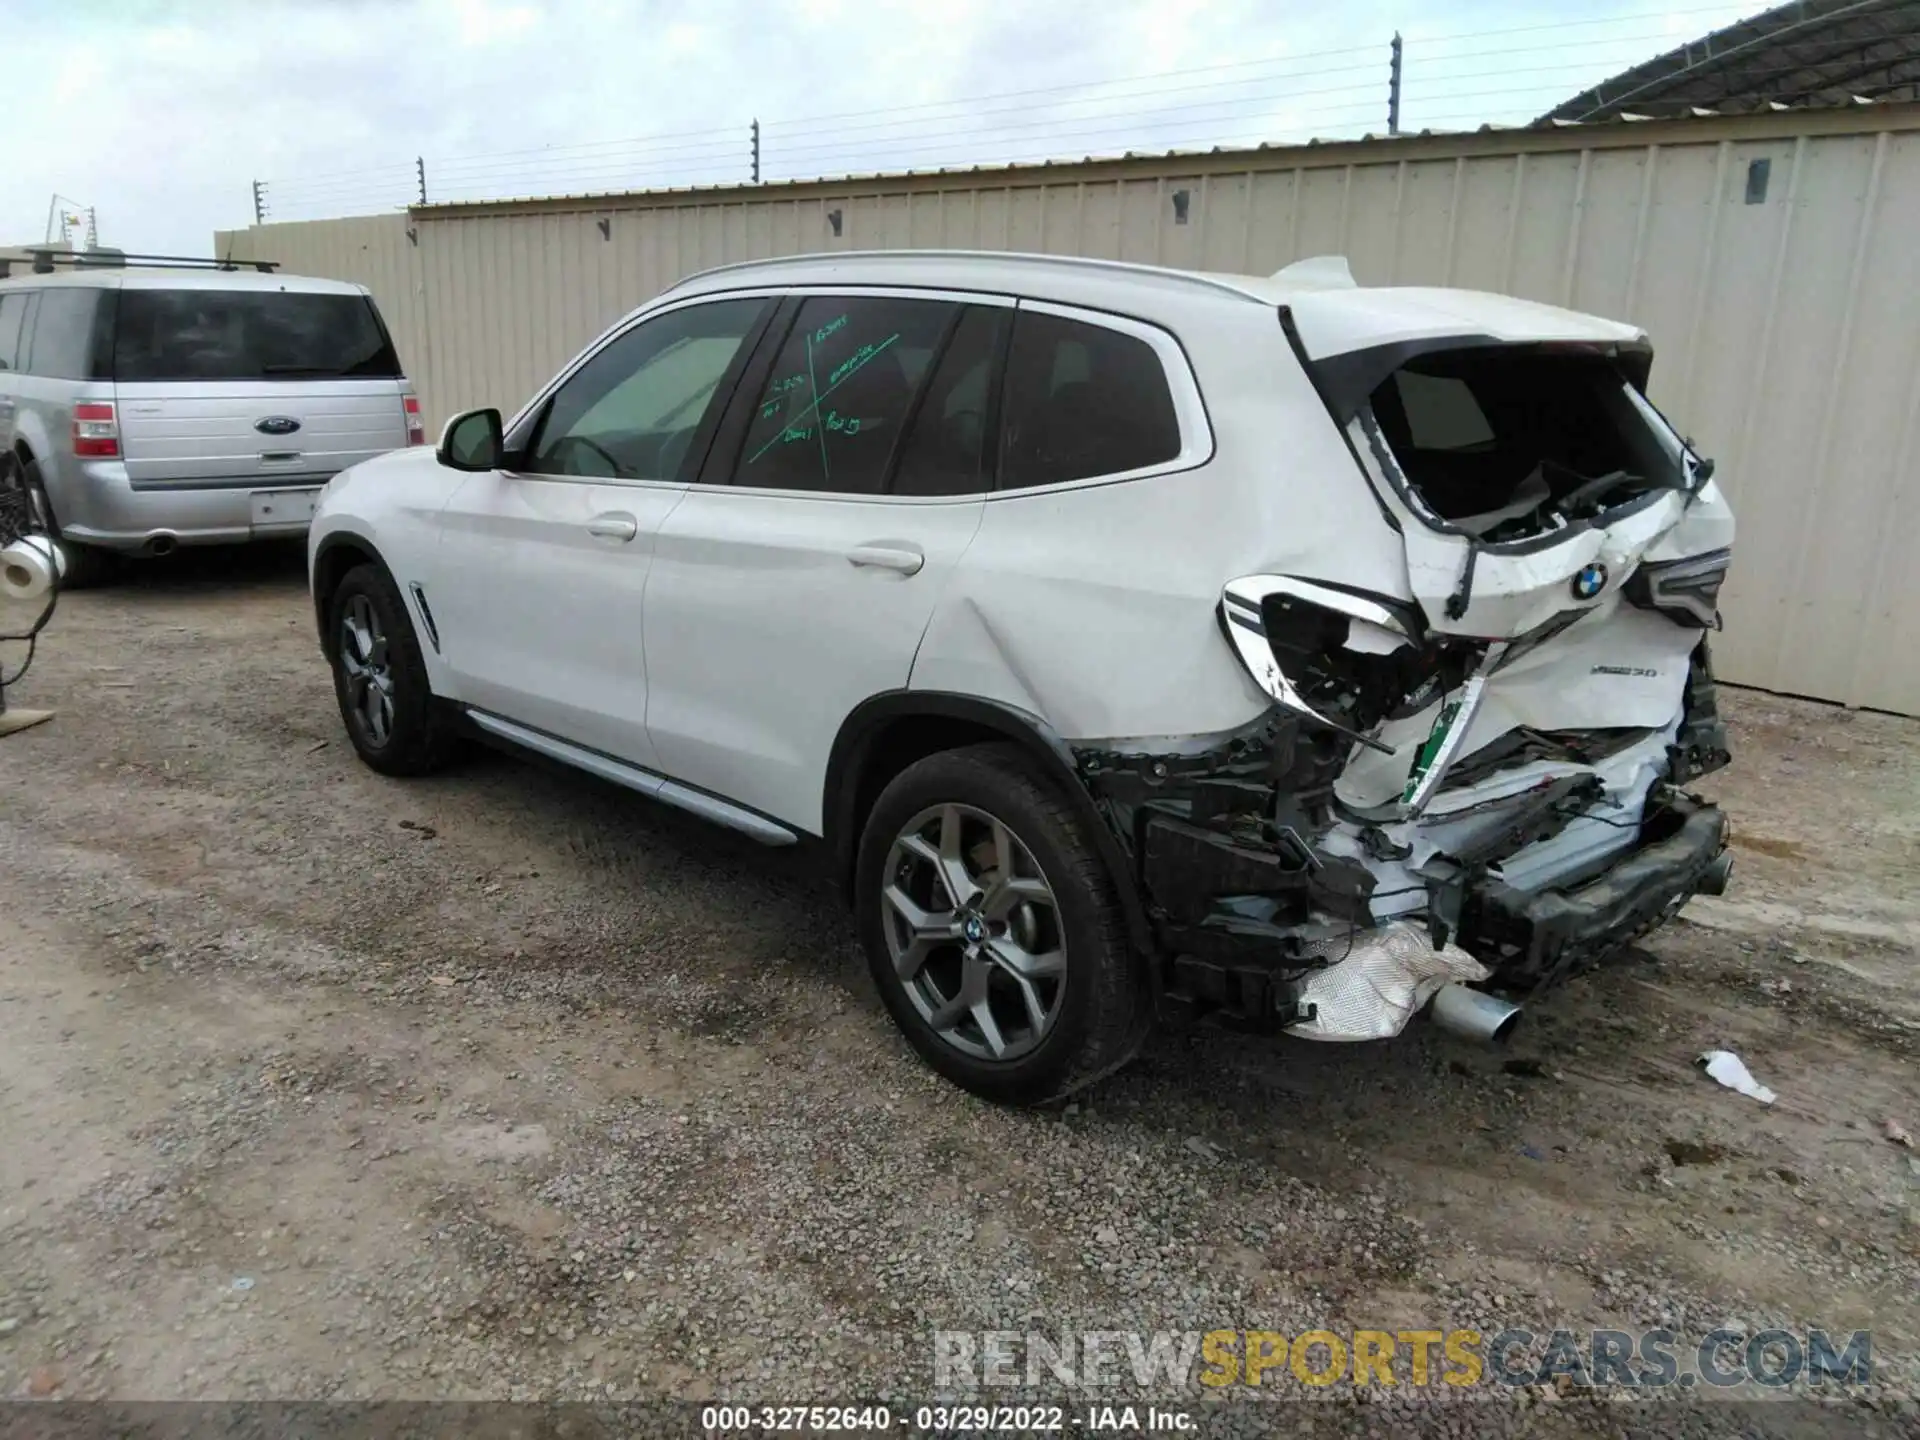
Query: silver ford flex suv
x=153, y=408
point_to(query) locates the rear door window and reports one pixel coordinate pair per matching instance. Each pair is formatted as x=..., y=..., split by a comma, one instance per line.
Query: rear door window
x=249, y=335
x=838, y=397
x=1082, y=400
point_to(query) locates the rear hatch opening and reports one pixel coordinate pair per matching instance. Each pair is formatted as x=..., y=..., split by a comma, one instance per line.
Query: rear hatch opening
x=1507, y=443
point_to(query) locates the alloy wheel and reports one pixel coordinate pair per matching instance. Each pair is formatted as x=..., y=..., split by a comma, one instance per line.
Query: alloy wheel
x=364, y=659
x=974, y=932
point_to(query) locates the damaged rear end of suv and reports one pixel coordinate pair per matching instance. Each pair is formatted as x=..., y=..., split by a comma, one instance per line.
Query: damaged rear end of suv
x=1471, y=790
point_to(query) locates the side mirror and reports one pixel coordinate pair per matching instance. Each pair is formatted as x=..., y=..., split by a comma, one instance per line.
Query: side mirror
x=471, y=441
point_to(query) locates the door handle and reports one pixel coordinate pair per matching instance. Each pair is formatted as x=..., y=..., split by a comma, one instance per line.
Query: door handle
x=614, y=525
x=887, y=557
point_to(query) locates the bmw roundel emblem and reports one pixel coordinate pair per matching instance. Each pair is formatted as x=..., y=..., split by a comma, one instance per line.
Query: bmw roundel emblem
x=974, y=928
x=1591, y=580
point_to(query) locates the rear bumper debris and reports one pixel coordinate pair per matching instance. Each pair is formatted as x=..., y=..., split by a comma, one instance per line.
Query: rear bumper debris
x=1278, y=902
x=1375, y=982
x=1538, y=939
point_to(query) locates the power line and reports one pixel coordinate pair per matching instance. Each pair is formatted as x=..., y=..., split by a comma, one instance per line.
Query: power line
x=676, y=154
x=892, y=115
x=1441, y=37
x=553, y=161
x=292, y=188
x=913, y=129
x=891, y=122
x=1148, y=118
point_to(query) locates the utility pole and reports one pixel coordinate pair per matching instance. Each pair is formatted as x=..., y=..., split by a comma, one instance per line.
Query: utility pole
x=420, y=173
x=756, y=152
x=1393, y=90
x=259, y=203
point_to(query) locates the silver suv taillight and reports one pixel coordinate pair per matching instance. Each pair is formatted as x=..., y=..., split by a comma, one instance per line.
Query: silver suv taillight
x=96, y=433
x=416, y=423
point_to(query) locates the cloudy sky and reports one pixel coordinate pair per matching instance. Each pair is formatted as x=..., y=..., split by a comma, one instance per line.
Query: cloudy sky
x=161, y=114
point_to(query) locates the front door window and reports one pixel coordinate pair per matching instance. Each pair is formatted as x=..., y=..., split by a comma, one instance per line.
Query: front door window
x=632, y=411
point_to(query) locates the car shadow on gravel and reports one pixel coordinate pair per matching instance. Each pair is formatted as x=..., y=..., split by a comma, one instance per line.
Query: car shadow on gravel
x=266, y=565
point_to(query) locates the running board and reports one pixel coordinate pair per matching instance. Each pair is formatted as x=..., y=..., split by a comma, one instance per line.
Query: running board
x=632, y=777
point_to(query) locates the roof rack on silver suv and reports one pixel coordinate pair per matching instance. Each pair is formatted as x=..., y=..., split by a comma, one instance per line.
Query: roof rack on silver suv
x=46, y=260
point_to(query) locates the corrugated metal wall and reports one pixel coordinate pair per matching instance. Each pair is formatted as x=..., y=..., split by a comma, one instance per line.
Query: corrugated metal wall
x=1787, y=323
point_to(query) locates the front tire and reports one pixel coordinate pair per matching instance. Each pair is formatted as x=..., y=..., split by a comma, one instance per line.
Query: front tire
x=396, y=725
x=992, y=928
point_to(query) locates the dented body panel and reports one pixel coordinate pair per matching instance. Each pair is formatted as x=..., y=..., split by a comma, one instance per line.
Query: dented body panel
x=1094, y=604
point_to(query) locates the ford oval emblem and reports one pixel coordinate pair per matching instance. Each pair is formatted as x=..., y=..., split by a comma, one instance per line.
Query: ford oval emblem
x=277, y=425
x=1591, y=580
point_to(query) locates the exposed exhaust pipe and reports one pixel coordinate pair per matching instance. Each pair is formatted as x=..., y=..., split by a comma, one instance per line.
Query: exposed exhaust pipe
x=1473, y=1014
x=1714, y=882
x=162, y=545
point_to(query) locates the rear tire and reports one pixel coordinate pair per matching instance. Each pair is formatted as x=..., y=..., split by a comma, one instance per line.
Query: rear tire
x=85, y=564
x=1023, y=990
x=386, y=702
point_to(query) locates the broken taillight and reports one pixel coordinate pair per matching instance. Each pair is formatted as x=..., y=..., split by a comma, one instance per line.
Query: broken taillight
x=1344, y=660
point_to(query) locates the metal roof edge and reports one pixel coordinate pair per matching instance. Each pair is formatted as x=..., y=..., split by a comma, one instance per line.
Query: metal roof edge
x=1317, y=154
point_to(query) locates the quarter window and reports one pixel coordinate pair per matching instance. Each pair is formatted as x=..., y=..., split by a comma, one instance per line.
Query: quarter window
x=13, y=310
x=831, y=410
x=1082, y=400
x=72, y=334
x=945, y=451
x=633, y=410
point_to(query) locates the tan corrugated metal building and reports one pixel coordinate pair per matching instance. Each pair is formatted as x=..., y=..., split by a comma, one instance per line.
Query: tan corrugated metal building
x=1771, y=255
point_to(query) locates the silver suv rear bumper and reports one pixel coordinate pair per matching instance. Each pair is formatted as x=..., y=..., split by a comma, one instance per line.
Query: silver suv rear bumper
x=105, y=510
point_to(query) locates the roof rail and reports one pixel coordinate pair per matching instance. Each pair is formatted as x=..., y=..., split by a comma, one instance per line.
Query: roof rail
x=1199, y=278
x=46, y=260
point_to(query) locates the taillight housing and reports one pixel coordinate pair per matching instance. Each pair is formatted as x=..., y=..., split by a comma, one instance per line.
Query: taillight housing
x=96, y=432
x=416, y=424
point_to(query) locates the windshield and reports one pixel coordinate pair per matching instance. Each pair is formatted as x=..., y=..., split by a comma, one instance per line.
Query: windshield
x=249, y=335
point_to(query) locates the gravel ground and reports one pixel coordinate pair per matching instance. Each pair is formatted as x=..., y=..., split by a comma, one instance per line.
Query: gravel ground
x=505, y=1085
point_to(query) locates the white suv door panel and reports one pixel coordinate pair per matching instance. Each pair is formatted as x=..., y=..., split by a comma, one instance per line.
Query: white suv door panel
x=539, y=607
x=542, y=574
x=770, y=617
x=775, y=609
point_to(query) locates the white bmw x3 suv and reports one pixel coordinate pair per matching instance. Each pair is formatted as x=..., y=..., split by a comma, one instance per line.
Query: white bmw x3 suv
x=1135, y=643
